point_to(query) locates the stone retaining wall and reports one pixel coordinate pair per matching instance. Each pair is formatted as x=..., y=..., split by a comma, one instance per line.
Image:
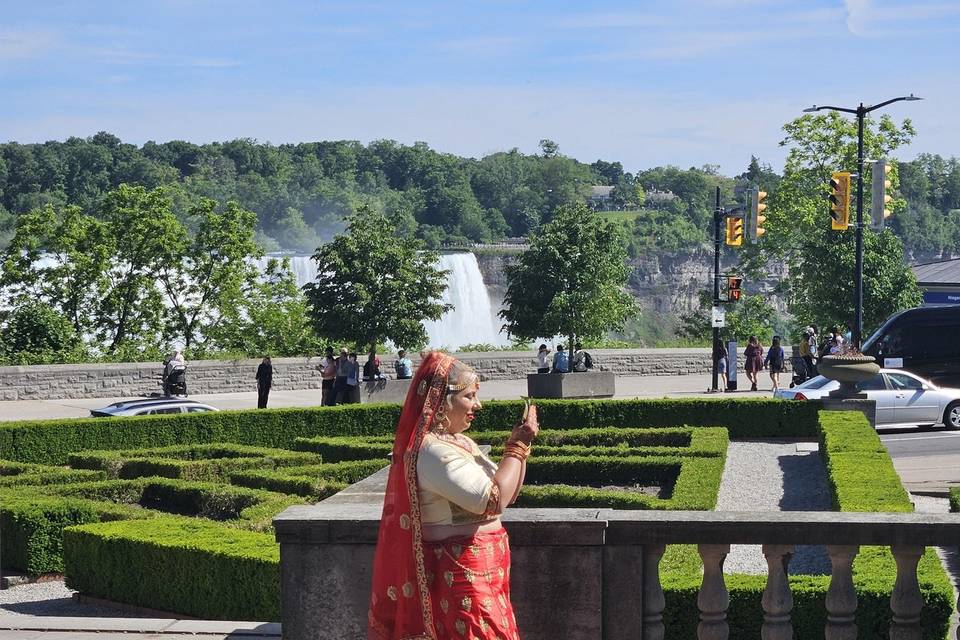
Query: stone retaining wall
x=46, y=382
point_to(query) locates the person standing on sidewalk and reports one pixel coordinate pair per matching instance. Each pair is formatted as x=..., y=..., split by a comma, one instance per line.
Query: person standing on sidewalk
x=264, y=382
x=328, y=372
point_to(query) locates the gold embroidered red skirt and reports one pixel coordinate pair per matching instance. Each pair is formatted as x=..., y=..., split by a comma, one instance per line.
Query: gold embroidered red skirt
x=469, y=580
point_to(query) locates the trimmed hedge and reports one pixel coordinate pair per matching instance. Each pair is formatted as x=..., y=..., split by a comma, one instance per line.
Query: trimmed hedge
x=190, y=566
x=696, y=482
x=14, y=474
x=189, y=462
x=32, y=528
x=671, y=441
x=316, y=481
x=52, y=441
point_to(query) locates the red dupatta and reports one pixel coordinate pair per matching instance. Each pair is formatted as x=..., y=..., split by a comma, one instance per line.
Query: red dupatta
x=400, y=607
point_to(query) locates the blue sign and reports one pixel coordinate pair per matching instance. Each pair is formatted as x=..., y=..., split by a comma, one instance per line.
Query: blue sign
x=941, y=297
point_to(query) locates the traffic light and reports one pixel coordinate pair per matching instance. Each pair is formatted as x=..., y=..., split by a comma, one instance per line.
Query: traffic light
x=733, y=288
x=880, y=184
x=840, y=200
x=757, y=207
x=734, y=231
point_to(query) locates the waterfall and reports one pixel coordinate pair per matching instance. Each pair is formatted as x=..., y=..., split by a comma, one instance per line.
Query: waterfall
x=474, y=317
x=473, y=320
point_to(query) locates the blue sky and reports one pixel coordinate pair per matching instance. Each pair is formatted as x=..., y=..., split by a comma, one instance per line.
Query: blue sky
x=684, y=82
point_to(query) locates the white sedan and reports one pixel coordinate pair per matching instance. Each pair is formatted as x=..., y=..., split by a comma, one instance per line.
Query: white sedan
x=903, y=399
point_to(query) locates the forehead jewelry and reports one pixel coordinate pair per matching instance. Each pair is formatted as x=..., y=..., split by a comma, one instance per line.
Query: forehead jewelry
x=471, y=380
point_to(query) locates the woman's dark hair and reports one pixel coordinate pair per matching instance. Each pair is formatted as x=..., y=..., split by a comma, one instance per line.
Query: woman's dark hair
x=753, y=340
x=543, y=346
x=776, y=341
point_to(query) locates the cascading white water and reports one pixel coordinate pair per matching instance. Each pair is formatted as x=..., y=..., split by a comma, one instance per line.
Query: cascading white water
x=473, y=319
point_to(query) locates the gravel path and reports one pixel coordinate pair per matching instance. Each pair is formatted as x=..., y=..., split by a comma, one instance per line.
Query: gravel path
x=774, y=476
x=51, y=598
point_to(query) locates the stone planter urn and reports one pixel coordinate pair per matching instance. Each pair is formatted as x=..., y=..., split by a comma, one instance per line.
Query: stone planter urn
x=848, y=370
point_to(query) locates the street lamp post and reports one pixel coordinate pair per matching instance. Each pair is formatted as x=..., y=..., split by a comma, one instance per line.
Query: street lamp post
x=861, y=113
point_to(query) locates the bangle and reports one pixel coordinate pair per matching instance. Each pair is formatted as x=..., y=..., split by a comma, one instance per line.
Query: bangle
x=516, y=450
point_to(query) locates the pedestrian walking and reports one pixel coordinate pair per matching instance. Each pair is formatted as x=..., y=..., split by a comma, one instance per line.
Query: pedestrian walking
x=543, y=359
x=264, y=382
x=774, y=362
x=753, y=361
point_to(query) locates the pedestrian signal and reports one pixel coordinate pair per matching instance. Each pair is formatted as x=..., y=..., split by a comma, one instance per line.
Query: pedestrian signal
x=757, y=207
x=840, y=200
x=733, y=288
x=734, y=231
x=881, y=198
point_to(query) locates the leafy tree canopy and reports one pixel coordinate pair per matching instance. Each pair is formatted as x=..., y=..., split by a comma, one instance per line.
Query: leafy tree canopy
x=570, y=281
x=375, y=284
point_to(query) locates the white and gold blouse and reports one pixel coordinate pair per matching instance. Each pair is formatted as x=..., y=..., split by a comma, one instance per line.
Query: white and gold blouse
x=455, y=481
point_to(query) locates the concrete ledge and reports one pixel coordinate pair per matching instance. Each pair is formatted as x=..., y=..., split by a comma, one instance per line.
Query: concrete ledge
x=160, y=626
x=589, y=384
x=394, y=391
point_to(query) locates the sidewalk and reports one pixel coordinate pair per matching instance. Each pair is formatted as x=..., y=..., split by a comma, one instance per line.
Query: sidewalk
x=627, y=387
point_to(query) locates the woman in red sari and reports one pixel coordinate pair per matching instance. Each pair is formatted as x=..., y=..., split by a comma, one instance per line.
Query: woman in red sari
x=442, y=565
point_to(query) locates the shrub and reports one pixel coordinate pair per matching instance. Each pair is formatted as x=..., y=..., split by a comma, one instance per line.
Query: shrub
x=189, y=462
x=52, y=441
x=191, y=566
x=32, y=528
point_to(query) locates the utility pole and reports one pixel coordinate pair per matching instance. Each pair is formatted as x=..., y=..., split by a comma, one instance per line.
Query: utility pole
x=717, y=218
x=860, y=112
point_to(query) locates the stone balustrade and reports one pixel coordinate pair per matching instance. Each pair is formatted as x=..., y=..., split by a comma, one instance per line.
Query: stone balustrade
x=592, y=574
x=45, y=382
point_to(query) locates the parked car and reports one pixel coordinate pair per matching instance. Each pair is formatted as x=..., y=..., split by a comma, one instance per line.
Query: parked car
x=903, y=399
x=152, y=406
x=922, y=341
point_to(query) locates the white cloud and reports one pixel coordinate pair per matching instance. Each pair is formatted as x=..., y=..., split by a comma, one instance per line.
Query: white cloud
x=858, y=16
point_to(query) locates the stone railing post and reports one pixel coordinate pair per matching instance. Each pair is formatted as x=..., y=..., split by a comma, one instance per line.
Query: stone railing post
x=777, y=599
x=906, y=602
x=841, y=602
x=653, y=600
x=713, y=599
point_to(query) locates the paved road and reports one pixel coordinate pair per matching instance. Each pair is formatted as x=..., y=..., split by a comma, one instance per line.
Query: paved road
x=627, y=387
x=927, y=459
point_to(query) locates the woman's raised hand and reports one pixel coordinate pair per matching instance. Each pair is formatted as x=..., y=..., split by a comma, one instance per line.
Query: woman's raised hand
x=527, y=430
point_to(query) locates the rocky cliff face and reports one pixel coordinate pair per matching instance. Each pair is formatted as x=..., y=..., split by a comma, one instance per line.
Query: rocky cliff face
x=666, y=284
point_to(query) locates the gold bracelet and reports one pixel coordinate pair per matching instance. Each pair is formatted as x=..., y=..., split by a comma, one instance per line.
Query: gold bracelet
x=514, y=441
x=512, y=454
x=514, y=450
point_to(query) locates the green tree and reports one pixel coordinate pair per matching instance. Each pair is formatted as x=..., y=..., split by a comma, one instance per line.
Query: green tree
x=820, y=261
x=34, y=333
x=375, y=284
x=215, y=269
x=570, y=281
x=144, y=237
x=271, y=319
x=61, y=258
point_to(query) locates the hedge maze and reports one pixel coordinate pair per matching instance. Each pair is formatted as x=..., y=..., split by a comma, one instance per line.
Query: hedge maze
x=174, y=512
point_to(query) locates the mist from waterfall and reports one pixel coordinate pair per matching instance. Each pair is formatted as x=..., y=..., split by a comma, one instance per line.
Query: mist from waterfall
x=474, y=317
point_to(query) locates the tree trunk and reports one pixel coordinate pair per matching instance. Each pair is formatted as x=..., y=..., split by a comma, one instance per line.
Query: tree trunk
x=570, y=352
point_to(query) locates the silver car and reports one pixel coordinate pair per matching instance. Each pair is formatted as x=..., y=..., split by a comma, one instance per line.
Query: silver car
x=903, y=399
x=152, y=406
